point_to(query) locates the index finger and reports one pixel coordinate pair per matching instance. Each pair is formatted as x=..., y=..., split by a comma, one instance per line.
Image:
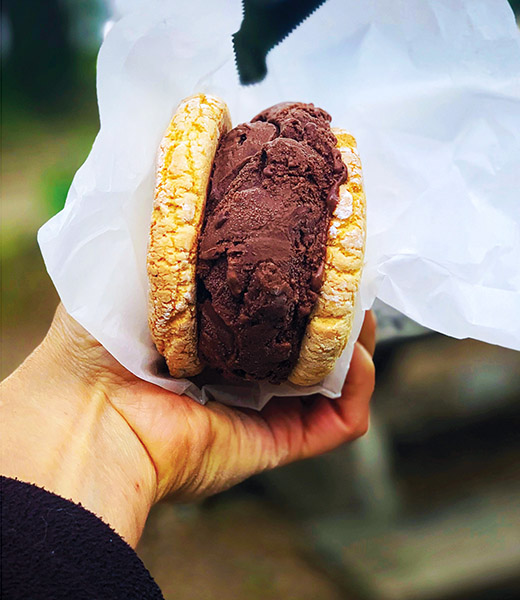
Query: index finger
x=367, y=335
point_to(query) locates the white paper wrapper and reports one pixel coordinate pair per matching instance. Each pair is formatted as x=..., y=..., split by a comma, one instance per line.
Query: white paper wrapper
x=430, y=89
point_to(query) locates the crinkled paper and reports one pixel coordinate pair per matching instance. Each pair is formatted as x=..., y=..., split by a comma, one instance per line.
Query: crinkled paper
x=430, y=89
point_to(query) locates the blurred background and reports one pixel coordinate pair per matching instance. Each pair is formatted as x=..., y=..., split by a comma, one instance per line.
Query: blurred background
x=425, y=507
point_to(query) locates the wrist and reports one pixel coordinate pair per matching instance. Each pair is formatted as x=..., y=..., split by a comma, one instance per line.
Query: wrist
x=61, y=432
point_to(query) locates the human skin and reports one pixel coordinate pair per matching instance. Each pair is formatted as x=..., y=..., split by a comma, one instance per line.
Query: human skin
x=78, y=424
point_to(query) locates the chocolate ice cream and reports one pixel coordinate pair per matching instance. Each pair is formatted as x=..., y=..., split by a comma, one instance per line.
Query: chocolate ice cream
x=273, y=190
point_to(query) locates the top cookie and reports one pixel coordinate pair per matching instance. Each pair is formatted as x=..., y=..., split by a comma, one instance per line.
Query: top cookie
x=184, y=166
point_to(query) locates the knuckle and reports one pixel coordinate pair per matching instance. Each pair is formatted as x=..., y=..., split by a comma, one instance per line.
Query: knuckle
x=361, y=427
x=371, y=374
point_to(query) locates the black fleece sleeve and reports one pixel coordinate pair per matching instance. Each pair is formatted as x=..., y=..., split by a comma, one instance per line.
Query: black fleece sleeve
x=53, y=548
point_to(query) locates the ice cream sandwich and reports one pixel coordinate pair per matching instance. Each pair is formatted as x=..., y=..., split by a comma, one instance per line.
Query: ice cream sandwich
x=256, y=243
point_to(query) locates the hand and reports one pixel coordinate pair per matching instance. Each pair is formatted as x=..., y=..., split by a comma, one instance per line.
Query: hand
x=82, y=426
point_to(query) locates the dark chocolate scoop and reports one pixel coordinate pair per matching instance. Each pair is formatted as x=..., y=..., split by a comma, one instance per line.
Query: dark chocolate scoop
x=273, y=189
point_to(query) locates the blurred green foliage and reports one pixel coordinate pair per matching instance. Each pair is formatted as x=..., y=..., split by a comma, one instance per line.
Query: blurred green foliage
x=55, y=184
x=49, y=108
x=515, y=5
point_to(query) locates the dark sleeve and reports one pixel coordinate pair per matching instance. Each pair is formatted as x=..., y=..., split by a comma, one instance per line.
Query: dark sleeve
x=53, y=548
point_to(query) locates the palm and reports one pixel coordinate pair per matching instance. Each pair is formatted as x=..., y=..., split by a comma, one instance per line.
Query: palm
x=199, y=450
